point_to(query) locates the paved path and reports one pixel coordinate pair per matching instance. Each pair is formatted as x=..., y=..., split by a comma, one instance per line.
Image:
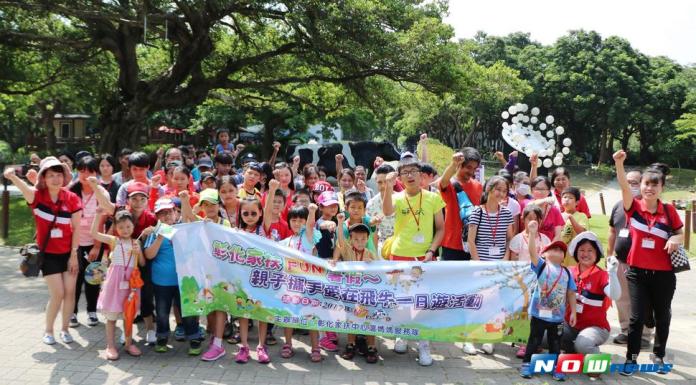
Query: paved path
x=25, y=360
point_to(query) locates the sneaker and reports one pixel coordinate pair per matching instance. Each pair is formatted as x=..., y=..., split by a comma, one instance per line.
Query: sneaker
x=161, y=345
x=179, y=333
x=487, y=348
x=150, y=337
x=242, y=356
x=372, y=356
x=262, y=355
x=629, y=368
x=526, y=370
x=660, y=362
x=66, y=337
x=559, y=376
x=521, y=351
x=349, y=352
x=424, y=358
x=92, y=320
x=328, y=345
x=122, y=339
x=48, y=339
x=73, y=321
x=470, y=349
x=195, y=347
x=621, y=339
x=400, y=346
x=333, y=336
x=213, y=353
x=270, y=339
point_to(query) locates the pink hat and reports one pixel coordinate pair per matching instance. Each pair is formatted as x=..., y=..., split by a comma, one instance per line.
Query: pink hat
x=327, y=198
x=138, y=188
x=163, y=204
x=48, y=162
x=322, y=186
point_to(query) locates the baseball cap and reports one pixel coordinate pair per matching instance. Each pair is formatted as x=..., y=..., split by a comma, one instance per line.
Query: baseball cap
x=138, y=188
x=163, y=204
x=207, y=175
x=174, y=163
x=327, y=198
x=556, y=245
x=322, y=186
x=210, y=195
x=248, y=157
x=205, y=162
x=359, y=227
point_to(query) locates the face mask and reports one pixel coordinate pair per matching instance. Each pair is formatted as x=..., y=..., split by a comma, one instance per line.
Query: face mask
x=635, y=192
x=523, y=189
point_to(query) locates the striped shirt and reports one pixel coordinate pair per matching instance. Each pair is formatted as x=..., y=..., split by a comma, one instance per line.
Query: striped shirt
x=491, y=232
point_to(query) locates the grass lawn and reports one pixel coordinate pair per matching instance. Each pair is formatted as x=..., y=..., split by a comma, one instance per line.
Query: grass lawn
x=21, y=224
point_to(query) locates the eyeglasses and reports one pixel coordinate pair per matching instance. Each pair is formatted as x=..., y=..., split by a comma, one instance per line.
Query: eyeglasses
x=410, y=173
x=540, y=189
x=250, y=214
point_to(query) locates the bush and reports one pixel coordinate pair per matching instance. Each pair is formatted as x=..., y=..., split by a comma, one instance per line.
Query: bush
x=152, y=148
x=602, y=171
x=5, y=152
x=439, y=155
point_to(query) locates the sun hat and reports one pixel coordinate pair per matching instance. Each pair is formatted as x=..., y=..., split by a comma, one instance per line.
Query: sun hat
x=48, y=162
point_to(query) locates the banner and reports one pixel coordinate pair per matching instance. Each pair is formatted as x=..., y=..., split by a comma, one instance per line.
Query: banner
x=253, y=277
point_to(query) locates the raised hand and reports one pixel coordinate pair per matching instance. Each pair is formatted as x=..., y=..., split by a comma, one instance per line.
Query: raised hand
x=155, y=182
x=276, y=146
x=312, y=208
x=423, y=137
x=619, y=156
x=9, y=173
x=184, y=195
x=341, y=217
x=533, y=227
x=339, y=158
x=391, y=178
x=273, y=184
x=93, y=181
x=457, y=159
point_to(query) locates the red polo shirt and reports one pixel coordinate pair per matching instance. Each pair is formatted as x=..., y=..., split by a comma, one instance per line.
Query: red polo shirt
x=591, y=300
x=656, y=227
x=453, y=222
x=44, y=210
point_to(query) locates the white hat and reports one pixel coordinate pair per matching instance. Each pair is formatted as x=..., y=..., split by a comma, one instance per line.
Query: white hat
x=589, y=235
x=48, y=162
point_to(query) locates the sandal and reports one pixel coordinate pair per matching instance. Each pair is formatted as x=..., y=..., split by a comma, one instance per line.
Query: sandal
x=235, y=339
x=286, y=351
x=133, y=351
x=315, y=356
x=371, y=356
x=111, y=354
x=349, y=353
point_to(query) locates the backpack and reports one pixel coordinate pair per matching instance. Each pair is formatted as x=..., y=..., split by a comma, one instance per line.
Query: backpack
x=466, y=207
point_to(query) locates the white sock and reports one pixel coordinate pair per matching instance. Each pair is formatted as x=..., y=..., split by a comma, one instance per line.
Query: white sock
x=217, y=342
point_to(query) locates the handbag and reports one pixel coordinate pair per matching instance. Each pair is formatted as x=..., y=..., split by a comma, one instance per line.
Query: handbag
x=31, y=264
x=679, y=257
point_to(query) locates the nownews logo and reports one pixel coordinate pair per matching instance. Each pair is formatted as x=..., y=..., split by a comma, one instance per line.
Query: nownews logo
x=586, y=364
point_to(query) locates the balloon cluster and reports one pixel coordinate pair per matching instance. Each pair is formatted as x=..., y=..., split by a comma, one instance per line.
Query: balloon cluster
x=530, y=134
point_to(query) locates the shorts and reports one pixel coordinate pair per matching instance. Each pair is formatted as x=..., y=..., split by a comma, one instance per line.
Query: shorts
x=112, y=315
x=408, y=259
x=455, y=255
x=55, y=263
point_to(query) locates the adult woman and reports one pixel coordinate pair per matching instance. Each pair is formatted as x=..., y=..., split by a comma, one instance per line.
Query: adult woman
x=596, y=289
x=552, y=222
x=107, y=165
x=57, y=217
x=560, y=178
x=656, y=231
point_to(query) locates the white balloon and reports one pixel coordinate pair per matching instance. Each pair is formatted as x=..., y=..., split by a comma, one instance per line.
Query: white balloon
x=548, y=163
x=525, y=118
x=534, y=120
x=567, y=142
x=559, y=155
x=505, y=124
x=524, y=107
x=552, y=142
x=542, y=126
x=560, y=130
x=539, y=162
x=512, y=110
x=549, y=119
x=565, y=150
x=505, y=115
x=549, y=134
x=558, y=161
x=535, y=111
x=514, y=119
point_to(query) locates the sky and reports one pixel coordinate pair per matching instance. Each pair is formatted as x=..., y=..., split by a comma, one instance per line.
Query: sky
x=665, y=27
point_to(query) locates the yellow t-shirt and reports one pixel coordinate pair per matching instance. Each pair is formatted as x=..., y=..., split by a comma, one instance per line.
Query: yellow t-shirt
x=221, y=221
x=568, y=233
x=241, y=193
x=413, y=239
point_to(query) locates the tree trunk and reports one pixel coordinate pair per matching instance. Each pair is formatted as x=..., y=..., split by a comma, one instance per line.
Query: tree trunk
x=603, y=155
x=121, y=126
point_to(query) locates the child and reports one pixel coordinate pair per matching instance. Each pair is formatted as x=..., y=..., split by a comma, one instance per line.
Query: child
x=253, y=221
x=575, y=221
x=355, y=205
x=555, y=290
x=356, y=251
x=223, y=142
x=227, y=190
x=328, y=204
x=303, y=239
x=124, y=258
x=209, y=204
x=302, y=198
x=166, y=282
x=279, y=229
x=252, y=176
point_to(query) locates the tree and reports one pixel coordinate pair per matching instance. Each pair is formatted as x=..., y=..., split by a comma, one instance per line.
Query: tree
x=215, y=44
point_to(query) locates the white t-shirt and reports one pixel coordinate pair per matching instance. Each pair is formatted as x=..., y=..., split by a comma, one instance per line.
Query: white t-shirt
x=520, y=245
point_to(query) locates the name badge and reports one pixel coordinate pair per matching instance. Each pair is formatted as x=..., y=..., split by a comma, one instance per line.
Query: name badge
x=494, y=251
x=56, y=233
x=578, y=307
x=648, y=243
x=124, y=285
x=545, y=313
x=418, y=238
x=624, y=233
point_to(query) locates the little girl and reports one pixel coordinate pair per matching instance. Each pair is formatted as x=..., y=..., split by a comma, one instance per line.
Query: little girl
x=326, y=224
x=223, y=142
x=227, y=190
x=254, y=221
x=124, y=258
x=304, y=239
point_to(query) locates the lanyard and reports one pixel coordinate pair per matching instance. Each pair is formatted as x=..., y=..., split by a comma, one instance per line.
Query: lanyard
x=84, y=203
x=123, y=255
x=525, y=239
x=299, y=241
x=420, y=206
x=232, y=219
x=579, y=279
x=362, y=254
x=494, y=229
x=546, y=284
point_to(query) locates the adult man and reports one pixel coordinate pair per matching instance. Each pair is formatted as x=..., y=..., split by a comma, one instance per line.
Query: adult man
x=385, y=228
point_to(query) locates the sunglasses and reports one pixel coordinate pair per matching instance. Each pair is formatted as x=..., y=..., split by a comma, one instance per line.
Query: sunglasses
x=249, y=213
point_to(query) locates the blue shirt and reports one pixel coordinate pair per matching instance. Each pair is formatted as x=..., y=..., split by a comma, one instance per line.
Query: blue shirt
x=163, y=265
x=549, y=297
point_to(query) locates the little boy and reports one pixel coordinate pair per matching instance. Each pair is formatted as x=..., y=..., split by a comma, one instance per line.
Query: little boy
x=555, y=289
x=355, y=251
x=575, y=221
